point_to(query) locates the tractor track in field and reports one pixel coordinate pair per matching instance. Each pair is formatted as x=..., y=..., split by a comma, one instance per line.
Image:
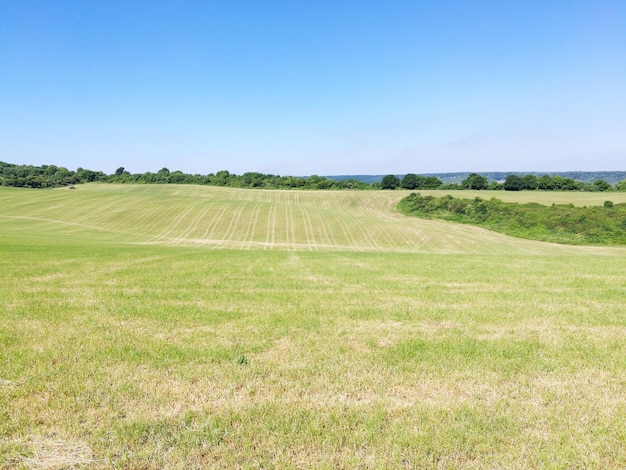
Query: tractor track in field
x=196, y=221
x=309, y=230
x=253, y=222
x=233, y=224
x=290, y=224
x=270, y=233
x=209, y=232
x=166, y=232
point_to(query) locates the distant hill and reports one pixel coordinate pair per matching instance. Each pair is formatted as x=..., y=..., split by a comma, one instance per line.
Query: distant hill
x=611, y=177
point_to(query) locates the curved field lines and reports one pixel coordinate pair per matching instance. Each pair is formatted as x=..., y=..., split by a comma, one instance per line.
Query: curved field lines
x=270, y=237
x=245, y=219
x=64, y=218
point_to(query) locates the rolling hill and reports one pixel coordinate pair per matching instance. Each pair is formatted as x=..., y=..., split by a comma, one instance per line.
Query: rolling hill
x=250, y=219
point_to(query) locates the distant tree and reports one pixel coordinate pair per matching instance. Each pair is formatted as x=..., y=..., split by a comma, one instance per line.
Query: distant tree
x=513, y=183
x=565, y=184
x=324, y=183
x=390, y=182
x=295, y=182
x=530, y=182
x=178, y=177
x=314, y=181
x=432, y=182
x=221, y=178
x=87, y=176
x=49, y=169
x=475, y=181
x=409, y=181
x=428, y=182
x=545, y=183
x=119, y=171
x=163, y=175
x=600, y=185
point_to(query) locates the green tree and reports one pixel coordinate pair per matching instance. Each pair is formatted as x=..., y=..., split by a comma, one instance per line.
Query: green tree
x=163, y=175
x=222, y=177
x=600, y=185
x=560, y=183
x=530, y=182
x=475, y=181
x=314, y=181
x=513, y=183
x=545, y=183
x=428, y=182
x=83, y=175
x=410, y=181
x=390, y=182
x=178, y=177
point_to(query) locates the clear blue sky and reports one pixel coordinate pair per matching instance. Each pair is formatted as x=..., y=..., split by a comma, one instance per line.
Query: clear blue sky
x=314, y=87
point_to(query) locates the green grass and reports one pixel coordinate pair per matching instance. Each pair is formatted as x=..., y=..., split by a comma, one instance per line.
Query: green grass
x=121, y=338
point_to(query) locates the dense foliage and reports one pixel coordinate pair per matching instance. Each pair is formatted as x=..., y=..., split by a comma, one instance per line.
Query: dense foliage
x=413, y=181
x=551, y=183
x=557, y=223
x=612, y=177
x=45, y=176
x=475, y=181
x=50, y=176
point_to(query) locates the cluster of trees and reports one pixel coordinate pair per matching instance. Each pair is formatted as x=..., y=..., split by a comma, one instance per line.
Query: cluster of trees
x=531, y=182
x=45, y=176
x=225, y=178
x=410, y=181
x=557, y=223
x=511, y=183
x=552, y=183
x=49, y=176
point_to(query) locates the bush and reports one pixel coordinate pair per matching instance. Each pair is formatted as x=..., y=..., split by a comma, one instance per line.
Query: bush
x=562, y=223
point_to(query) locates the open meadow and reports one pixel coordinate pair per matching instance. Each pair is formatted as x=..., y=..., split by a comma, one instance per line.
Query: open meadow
x=200, y=327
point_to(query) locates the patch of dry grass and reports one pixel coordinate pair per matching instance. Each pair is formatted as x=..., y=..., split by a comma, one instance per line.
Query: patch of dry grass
x=51, y=452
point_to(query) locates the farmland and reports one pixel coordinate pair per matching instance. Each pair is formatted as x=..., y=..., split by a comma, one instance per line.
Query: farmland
x=194, y=327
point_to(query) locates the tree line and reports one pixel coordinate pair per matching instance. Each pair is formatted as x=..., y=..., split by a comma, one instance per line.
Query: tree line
x=50, y=176
x=512, y=182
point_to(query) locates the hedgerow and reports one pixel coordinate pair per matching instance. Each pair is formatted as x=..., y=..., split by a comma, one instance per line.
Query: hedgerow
x=560, y=223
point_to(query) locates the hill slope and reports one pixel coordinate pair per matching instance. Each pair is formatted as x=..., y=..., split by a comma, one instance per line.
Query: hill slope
x=242, y=219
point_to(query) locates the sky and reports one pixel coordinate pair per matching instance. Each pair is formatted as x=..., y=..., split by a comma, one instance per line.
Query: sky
x=326, y=87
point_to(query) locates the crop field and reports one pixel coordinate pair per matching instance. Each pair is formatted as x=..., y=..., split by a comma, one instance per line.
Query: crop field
x=202, y=327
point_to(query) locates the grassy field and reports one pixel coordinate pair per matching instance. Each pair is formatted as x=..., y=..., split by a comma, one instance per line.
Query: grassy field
x=196, y=327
